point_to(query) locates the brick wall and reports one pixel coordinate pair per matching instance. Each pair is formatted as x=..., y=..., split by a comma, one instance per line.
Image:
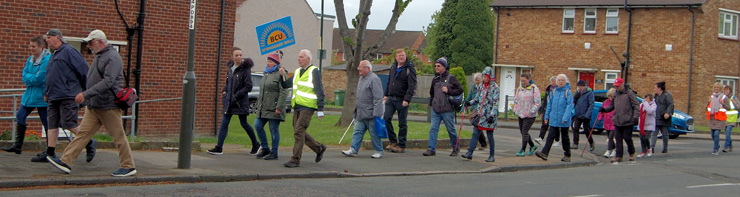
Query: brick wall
x=533, y=37
x=164, y=56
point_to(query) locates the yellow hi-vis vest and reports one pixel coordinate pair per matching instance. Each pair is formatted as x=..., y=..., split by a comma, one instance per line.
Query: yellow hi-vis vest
x=732, y=113
x=303, y=88
x=721, y=114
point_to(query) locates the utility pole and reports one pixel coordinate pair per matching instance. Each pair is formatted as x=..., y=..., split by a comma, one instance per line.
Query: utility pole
x=187, y=110
x=322, y=53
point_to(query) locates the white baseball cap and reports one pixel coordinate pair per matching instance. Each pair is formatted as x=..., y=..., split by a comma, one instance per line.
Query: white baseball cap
x=95, y=34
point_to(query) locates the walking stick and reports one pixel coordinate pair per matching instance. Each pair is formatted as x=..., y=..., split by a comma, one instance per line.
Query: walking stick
x=589, y=133
x=460, y=130
x=345, y=131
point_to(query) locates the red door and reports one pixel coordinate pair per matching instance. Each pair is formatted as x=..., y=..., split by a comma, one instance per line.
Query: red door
x=588, y=78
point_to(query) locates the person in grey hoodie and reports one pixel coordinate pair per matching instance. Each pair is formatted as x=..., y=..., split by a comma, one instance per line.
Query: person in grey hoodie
x=368, y=108
x=104, y=80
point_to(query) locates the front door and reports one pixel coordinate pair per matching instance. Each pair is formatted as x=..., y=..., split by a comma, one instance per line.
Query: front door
x=508, y=87
x=588, y=78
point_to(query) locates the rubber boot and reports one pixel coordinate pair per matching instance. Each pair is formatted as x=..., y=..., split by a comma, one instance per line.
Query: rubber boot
x=20, y=134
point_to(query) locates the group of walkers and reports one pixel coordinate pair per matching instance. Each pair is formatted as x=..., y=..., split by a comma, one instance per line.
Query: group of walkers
x=58, y=82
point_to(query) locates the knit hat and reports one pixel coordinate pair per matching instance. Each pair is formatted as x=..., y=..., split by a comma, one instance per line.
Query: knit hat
x=581, y=83
x=443, y=61
x=275, y=57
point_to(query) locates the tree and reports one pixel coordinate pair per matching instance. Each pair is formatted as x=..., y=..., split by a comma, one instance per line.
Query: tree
x=353, y=49
x=463, y=32
x=391, y=58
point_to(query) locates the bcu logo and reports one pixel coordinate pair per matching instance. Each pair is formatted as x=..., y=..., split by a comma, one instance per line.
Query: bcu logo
x=275, y=35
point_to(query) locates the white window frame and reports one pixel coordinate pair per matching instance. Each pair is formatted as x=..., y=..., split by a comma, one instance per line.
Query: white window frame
x=727, y=80
x=379, y=56
x=585, y=20
x=613, y=15
x=731, y=18
x=567, y=16
x=343, y=56
x=77, y=43
x=608, y=81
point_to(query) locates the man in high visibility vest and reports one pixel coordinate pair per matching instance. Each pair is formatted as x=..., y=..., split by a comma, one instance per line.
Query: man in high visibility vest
x=308, y=96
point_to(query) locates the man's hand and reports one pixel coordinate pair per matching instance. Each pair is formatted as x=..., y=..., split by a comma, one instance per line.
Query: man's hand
x=405, y=104
x=282, y=71
x=277, y=111
x=666, y=116
x=224, y=92
x=385, y=98
x=444, y=89
x=321, y=115
x=79, y=98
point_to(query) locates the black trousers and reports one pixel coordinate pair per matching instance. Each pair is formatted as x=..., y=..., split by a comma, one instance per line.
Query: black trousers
x=577, y=122
x=624, y=133
x=393, y=105
x=554, y=132
x=544, y=128
x=524, y=125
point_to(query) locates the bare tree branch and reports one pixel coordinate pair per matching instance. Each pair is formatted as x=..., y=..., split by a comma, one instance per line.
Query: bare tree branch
x=398, y=9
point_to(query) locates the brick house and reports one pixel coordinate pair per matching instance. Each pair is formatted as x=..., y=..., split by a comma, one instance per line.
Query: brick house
x=414, y=40
x=690, y=44
x=164, y=55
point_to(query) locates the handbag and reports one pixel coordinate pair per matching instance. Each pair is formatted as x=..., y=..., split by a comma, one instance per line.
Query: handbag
x=380, y=127
x=126, y=98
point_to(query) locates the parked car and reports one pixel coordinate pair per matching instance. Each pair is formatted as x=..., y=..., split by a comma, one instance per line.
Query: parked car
x=682, y=122
x=255, y=94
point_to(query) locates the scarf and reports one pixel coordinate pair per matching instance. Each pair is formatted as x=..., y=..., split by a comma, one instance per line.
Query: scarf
x=489, y=80
x=715, y=105
x=271, y=70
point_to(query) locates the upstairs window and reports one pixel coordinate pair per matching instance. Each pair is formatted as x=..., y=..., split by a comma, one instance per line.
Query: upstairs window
x=728, y=25
x=569, y=17
x=589, y=21
x=612, y=21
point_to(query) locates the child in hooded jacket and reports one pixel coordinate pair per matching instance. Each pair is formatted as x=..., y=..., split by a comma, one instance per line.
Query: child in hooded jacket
x=608, y=124
x=646, y=125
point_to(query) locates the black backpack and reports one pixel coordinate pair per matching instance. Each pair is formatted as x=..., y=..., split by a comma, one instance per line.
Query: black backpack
x=455, y=101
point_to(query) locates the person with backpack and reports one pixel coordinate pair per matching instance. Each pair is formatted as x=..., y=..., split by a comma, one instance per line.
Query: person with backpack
x=558, y=115
x=584, y=105
x=443, y=86
x=626, y=115
x=478, y=79
x=544, y=127
x=400, y=89
x=484, y=115
x=646, y=125
x=526, y=103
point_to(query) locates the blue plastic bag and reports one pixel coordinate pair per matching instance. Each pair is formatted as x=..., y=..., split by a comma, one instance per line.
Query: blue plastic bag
x=380, y=127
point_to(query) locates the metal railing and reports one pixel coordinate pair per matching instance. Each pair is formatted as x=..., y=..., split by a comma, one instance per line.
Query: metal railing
x=132, y=117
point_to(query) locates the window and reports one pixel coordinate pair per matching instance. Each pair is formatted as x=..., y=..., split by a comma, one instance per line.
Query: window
x=727, y=81
x=589, y=21
x=379, y=56
x=344, y=56
x=569, y=17
x=609, y=80
x=728, y=25
x=612, y=21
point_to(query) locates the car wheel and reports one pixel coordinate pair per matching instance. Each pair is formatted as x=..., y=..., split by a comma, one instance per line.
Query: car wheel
x=672, y=136
x=252, y=106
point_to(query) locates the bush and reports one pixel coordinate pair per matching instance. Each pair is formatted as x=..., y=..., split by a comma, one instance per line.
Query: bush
x=6, y=135
x=427, y=69
x=459, y=73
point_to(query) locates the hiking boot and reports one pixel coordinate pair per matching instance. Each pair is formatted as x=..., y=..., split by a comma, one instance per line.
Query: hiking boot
x=271, y=156
x=541, y=155
x=532, y=149
x=520, y=153
x=454, y=152
x=216, y=151
x=398, y=149
x=41, y=157
x=390, y=146
x=90, y=150
x=262, y=153
x=565, y=159
x=320, y=154
x=292, y=164
x=468, y=155
x=124, y=172
x=429, y=153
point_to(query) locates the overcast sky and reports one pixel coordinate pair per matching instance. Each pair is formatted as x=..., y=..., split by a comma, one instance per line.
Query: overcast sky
x=416, y=16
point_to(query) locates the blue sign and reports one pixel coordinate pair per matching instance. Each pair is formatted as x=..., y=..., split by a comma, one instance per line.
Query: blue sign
x=275, y=35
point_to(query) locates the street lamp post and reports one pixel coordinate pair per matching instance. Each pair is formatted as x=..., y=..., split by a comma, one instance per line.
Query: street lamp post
x=187, y=110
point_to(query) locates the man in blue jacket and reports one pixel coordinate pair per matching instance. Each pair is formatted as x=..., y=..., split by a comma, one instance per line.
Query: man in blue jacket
x=65, y=78
x=584, y=105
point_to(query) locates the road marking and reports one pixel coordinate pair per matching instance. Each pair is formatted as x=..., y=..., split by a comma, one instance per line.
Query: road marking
x=713, y=185
x=592, y=195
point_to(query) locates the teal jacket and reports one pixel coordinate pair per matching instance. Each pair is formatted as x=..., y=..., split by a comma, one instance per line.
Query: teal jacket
x=34, y=76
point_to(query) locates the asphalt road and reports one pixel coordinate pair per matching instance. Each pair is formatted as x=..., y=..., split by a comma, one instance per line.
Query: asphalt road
x=687, y=170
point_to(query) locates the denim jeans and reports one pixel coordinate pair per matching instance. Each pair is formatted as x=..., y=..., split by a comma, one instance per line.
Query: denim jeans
x=393, y=105
x=715, y=137
x=728, y=137
x=24, y=111
x=259, y=125
x=361, y=126
x=476, y=135
x=225, y=129
x=449, y=120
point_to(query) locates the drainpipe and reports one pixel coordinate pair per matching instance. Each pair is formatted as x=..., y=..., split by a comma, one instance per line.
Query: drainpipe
x=218, y=69
x=691, y=60
x=139, y=48
x=495, y=45
x=627, y=59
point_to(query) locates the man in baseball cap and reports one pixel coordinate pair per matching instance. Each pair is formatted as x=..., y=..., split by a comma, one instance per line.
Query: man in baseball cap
x=95, y=34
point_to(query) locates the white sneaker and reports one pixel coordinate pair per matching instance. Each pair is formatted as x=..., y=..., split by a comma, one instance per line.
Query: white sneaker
x=715, y=153
x=349, y=153
x=556, y=144
x=377, y=155
x=641, y=155
x=614, y=153
x=607, y=153
x=650, y=153
x=538, y=141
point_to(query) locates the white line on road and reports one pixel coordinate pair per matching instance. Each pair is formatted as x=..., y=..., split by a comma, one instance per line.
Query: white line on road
x=713, y=185
x=592, y=195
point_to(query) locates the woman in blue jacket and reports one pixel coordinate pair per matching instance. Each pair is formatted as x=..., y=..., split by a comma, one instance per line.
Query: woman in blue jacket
x=558, y=116
x=34, y=76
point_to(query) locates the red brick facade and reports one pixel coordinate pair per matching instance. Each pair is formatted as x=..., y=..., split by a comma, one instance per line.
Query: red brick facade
x=534, y=37
x=164, y=56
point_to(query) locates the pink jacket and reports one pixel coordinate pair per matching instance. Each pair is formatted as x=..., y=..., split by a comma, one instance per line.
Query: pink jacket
x=527, y=101
x=607, y=117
